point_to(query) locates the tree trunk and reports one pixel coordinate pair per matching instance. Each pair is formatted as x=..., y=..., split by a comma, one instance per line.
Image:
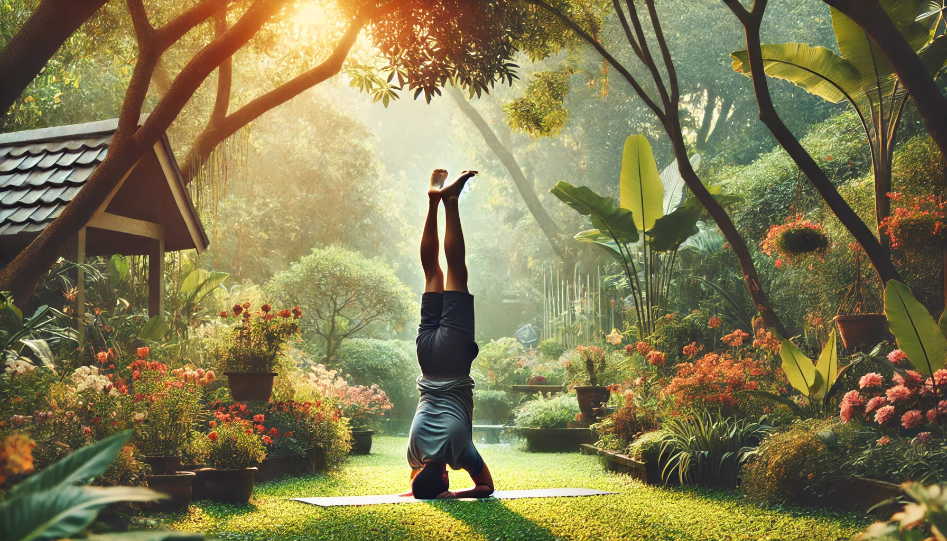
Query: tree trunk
x=768, y=115
x=220, y=128
x=46, y=29
x=930, y=102
x=525, y=188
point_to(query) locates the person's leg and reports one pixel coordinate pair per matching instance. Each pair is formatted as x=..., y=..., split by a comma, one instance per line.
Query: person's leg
x=454, y=248
x=430, y=244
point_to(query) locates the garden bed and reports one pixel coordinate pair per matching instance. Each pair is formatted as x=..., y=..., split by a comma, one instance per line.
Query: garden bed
x=554, y=440
x=615, y=461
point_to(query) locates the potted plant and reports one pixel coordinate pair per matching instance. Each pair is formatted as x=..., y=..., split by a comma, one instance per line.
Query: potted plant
x=552, y=424
x=252, y=352
x=594, y=396
x=163, y=407
x=919, y=226
x=363, y=406
x=856, y=325
x=796, y=238
x=233, y=448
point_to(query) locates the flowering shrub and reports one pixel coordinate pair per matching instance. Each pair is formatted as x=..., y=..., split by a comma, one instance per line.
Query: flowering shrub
x=795, y=238
x=907, y=401
x=619, y=429
x=16, y=455
x=288, y=428
x=363, y=406
x=164, y=404
x=259, y=336
x=919, y=225
x=714, y=380
x=232, y=444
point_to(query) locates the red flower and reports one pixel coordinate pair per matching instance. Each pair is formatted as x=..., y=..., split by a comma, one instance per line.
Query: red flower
x=223, y=313
x=212, y=424
x=714, y=322
x=102, y=357
x=267, y=440
x=288, y=434
x=237, y=309
x=212, y=436
x=258, y=418
x=143, y=352
x=266, y=308
x=642, y=348
x=260, y=428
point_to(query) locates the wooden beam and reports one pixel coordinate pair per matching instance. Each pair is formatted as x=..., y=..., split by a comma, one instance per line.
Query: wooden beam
x=80, y=287
x=181, y=197
x=156, y=278
x=132, y=226
x=114, y=191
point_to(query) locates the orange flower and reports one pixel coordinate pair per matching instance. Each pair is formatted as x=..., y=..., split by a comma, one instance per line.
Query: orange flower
x=143, y=352
x=246, y=305
x=102, y=357
x=212, y=436
x=266, y=308
x=16, y=455
x=714, y=322
x=223, y=313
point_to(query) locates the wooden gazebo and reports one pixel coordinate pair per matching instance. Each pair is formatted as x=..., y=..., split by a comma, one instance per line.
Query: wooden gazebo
x=148, y=213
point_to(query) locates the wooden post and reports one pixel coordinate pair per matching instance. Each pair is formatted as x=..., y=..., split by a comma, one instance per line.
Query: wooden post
x=156, y=278
x=80, y=287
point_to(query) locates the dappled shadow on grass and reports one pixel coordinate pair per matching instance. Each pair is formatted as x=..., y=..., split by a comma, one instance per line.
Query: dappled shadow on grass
x=493, y=520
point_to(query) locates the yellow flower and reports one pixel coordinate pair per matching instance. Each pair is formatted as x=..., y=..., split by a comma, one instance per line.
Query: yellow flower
x=16, y=455
x=614, y=338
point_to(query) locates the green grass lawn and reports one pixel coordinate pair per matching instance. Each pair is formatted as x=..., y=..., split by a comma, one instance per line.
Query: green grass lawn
x=637, y=512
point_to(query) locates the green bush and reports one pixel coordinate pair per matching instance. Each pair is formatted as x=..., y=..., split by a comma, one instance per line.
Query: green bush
x=647, y=448
x=551, y=349
x=494, y=406
x=558, y=412
x=390, y=364
x=623, y=426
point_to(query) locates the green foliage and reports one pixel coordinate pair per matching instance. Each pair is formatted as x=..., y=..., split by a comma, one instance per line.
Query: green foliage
x=559, y=411
x=540, y=112
x=917, y=333
x=610, y=219
x=234, y=445
x=494, y=406
x=926, y=511
x=390, y=364
x=551, y=349
x=50, y=504
x=625, y=425
x=343, y=295
x=647, y=447
x=808, y=378
x=640, y=187
x=500, y=364
x=709, y=449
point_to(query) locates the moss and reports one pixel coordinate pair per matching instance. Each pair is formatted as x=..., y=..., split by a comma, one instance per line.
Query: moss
x=637, y=512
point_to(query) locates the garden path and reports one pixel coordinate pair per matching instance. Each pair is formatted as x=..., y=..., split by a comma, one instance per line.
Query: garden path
x=638, y=512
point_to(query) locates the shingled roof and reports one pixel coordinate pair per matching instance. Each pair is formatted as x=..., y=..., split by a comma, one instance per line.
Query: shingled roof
x=38, y=179
x=41, y=171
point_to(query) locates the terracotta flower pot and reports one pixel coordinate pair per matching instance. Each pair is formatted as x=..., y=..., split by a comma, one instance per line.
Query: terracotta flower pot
x=361, y=441
x=591, y=398
x=246, y=386
x=162, y=465
x=177, y=485
x=862, y=330
x=229, y=485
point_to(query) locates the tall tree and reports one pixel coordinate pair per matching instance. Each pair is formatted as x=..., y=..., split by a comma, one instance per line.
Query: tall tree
x=666, y=107
x=43, y=33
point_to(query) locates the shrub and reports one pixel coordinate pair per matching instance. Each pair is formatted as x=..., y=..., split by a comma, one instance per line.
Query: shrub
x=390, y=364
x=551, y=349
x=258, y=337
x=709, y=449
x=502, y=363
x=561, y=411
x=647, y=448
x=494, y=406
x=715, y=381
x=347, y=295
x=623, y=426
x=232, y=444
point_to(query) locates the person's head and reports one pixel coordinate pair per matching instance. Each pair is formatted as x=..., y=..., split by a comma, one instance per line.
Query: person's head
x=430, y=482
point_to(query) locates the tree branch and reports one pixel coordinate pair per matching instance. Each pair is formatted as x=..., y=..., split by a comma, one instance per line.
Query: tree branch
x=224, y=71
x=171, y=32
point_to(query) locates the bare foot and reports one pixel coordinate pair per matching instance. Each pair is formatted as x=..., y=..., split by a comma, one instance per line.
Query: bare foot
x=437, y=181
x=454, y=188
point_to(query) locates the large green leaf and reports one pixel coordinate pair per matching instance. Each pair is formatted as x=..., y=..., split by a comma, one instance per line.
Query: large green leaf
x=934, y=55
x=818, y=70
x=942, y=323
x=916, y=332
x=117, y=270
x=675, y=189
x=80, y=466
x=63, y=512
x=673, y=229
x=827, y=367
x=606, y=216
x=200, y=283
x=799, y=369
x=154, y=329
x=640, y=188
x=594, y=236
x=41, y=349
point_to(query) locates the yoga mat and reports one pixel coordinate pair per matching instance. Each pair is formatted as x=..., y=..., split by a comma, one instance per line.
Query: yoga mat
x=499, y=495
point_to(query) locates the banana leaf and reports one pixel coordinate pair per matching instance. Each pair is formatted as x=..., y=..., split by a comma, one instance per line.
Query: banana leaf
x=917, y=334
x=606, y=216
x=640, y=188
x=820, y=71
x=827, y=366
x=594, y=236
x=799, y=369
x=675, y=189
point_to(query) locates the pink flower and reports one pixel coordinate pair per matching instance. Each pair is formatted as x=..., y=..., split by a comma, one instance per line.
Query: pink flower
x=924, y=436
x=854, y=399
x=914, y=377
x=845, y=412
x=932, y=415
x=884, y=414
x=870, y=380
x=874, y=403
x=912, y=418
x=897, y=356
x=884, y=440
x=940, y=377
x=898, y=392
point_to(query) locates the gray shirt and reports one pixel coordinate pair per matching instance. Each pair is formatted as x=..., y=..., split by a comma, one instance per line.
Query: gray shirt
x=441, y=430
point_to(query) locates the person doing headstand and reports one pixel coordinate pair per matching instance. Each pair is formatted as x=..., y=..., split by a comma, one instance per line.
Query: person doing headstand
x=441, y=431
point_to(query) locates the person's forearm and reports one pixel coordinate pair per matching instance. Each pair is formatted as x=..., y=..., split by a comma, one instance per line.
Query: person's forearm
x=479, y=491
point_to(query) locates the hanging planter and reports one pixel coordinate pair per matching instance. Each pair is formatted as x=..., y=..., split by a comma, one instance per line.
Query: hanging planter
x=859, y=328
x=919, y=226
x=795, y=238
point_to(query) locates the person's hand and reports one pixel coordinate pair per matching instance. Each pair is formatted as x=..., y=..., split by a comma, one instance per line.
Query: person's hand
x=446, y=495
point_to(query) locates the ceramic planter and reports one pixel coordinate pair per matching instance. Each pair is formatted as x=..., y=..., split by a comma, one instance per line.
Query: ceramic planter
x=554, y=440
x=361, y=441
x=197, y=485
x=162, y=465
x=235, y=486
x=862, y=330
x=247, y=386
x=178, y=486
x=272, y=467
x=591, y=398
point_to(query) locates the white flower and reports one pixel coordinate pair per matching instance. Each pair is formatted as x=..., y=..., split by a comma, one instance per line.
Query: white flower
x=88, y=377
x=18, y=366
